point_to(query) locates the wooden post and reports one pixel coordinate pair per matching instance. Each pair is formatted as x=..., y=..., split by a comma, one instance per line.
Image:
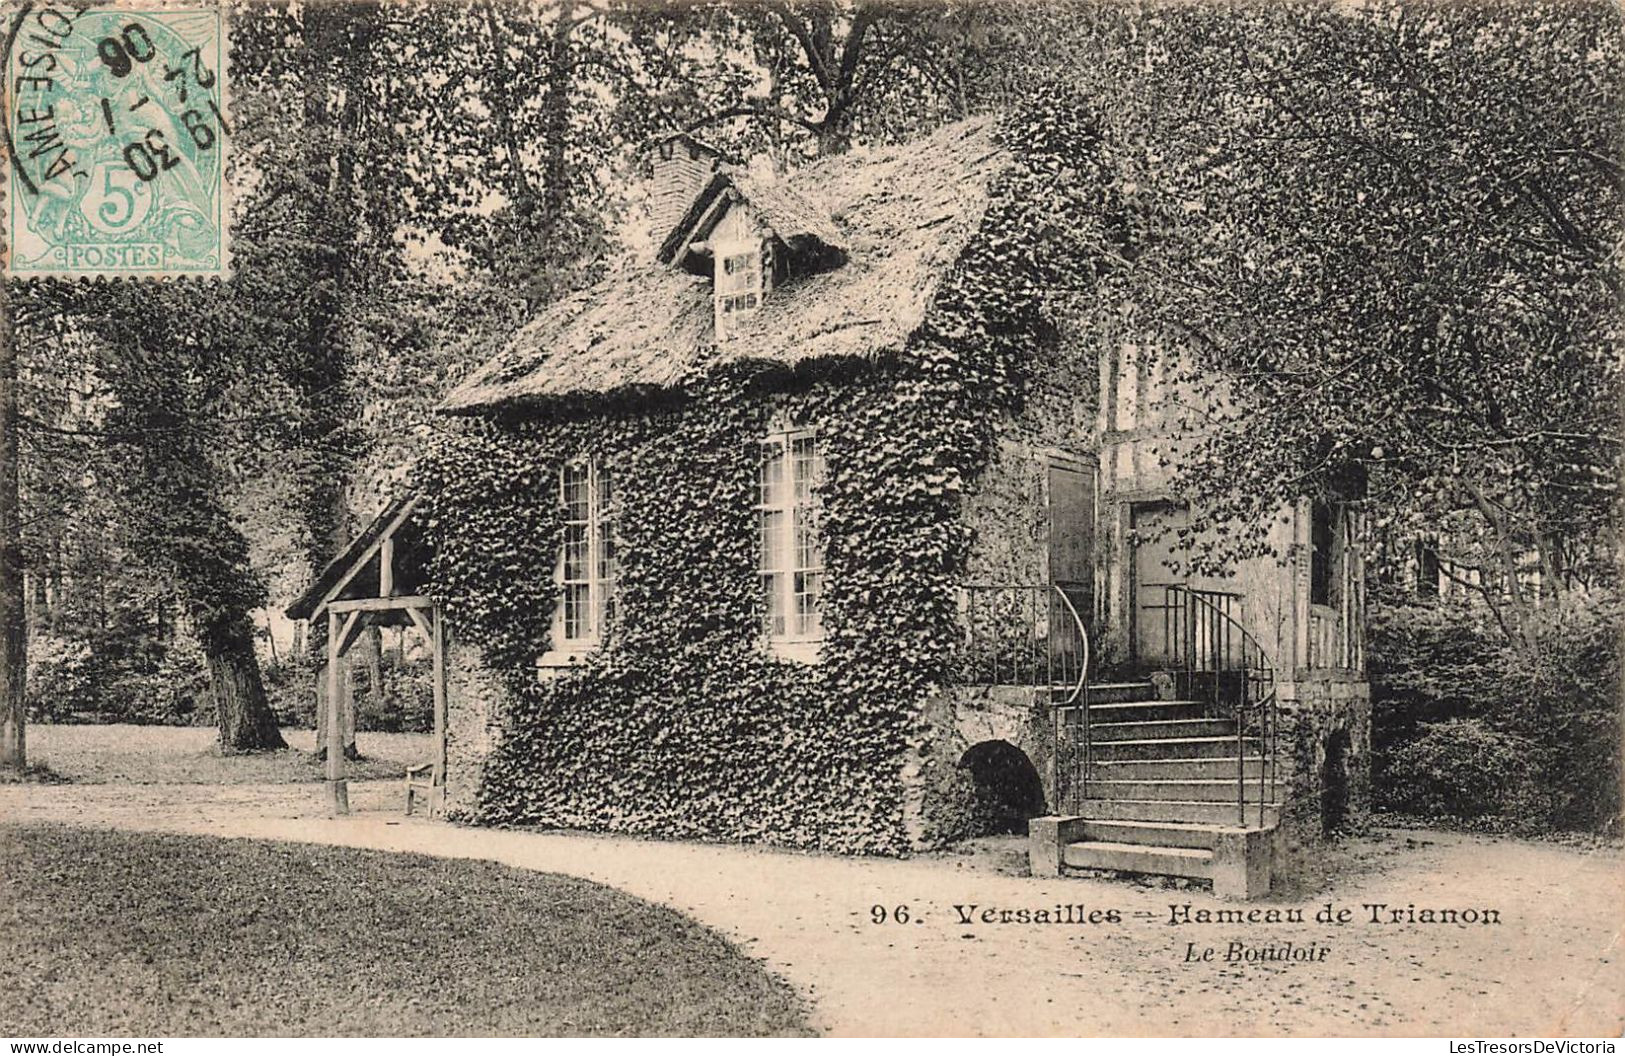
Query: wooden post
x=386, y=567
x=438, y=649
x=335, y=724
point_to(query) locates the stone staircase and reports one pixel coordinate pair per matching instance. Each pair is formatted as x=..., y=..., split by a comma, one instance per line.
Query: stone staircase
x=1162, y=797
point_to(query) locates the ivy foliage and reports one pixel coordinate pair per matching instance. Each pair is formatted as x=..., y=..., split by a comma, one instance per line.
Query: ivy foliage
x=684, y=725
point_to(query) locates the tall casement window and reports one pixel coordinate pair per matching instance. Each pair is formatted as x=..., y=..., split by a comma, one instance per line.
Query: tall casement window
x=740, y=282
x=1428, y=570
x=790, y=540
x=1322, y=539
x=587, y=556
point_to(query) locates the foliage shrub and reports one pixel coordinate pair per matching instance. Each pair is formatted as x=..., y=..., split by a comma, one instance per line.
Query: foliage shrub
x=405, y=704
x=1446, y=669
x=290, y=688
x=71, y=679
x=176, y=689
x=61, y=680
x=1460, y=768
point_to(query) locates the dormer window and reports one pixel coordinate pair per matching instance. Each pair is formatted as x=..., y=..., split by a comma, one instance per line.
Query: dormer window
x=740, y=282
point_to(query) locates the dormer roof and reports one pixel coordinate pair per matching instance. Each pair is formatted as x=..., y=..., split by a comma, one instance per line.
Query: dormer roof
x=791, y=217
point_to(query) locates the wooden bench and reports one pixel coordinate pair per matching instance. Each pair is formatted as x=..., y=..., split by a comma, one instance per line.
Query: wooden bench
x=420, y=782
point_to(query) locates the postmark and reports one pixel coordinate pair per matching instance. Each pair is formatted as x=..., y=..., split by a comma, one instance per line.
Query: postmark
x=117, y=129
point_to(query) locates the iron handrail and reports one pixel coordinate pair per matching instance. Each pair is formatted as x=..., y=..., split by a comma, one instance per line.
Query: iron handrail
x=1077, y=702
x=1014, y=636
x=1082, y=682
x=1258, y=695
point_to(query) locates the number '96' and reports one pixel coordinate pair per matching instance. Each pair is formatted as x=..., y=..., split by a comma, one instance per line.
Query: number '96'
x=894, y=915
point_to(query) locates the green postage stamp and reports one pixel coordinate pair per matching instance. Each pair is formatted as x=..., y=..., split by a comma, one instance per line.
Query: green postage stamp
x=116, y=132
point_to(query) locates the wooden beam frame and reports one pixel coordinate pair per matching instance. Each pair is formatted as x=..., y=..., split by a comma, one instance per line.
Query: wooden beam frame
x=422, y=625
x=438, y=650
x=349, y=630
x=366, y=555
x=345, y=620
x=386, y=565
x=337, y=788
x=408, y=602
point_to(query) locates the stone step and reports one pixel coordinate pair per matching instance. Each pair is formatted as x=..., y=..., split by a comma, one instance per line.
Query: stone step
x=1199, y=790
x=1116, y=692
x=1188, y=811
x=1140, y=710
x=1169, y=748
x=1154, y=833
x=1137, y=858
x=1213, y=768
x=1164, y=729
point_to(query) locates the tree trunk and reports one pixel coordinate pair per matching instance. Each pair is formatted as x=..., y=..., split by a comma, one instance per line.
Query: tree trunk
x=13, y=637
x=556, y=125
x=1524, y=637
x=242, y=711
x=372, y=655
x=36, y=614
x=325, y=368
x=53, y=586
x=501, y=87
x=1550, y=571
x=338, y=57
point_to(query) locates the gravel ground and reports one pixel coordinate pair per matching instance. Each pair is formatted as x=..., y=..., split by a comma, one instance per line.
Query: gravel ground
x=1551, y=966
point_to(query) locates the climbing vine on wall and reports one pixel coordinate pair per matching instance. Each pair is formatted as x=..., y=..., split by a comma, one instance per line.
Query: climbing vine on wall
x=683, y=725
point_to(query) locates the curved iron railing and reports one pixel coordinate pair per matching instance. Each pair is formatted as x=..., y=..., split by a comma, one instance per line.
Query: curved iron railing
x=1023, y=636
x=1081, y=684
x=1070, y=777
x=1215, y=659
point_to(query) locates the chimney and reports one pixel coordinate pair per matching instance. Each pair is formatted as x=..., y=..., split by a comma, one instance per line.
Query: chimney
x=680, y=166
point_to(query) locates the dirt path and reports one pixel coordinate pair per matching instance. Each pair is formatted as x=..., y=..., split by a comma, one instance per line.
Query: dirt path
x=1551, y=966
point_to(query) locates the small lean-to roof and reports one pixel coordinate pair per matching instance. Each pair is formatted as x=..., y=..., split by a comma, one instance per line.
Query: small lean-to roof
x=342, y=569
x=903, y=214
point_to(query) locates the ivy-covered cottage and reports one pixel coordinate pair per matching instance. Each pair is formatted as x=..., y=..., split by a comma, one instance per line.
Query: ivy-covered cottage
x=807, y=526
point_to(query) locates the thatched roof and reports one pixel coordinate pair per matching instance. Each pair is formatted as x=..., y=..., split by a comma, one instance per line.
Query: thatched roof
x=904, y=215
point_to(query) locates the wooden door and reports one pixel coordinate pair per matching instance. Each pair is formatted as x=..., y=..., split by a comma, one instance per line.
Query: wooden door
x=1071, y=556
x=1072, y=525
x=1158, y=562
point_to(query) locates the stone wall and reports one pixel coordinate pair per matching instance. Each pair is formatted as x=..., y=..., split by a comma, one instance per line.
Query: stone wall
x=475, y=704
x=1324, y=750
x=1007, y=511
x=941, y=800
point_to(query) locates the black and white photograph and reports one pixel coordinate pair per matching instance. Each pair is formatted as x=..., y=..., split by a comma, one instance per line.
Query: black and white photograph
x=811, y=518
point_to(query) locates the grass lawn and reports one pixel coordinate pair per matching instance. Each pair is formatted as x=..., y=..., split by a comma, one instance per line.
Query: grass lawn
x=127, y=934
x=155, y=755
